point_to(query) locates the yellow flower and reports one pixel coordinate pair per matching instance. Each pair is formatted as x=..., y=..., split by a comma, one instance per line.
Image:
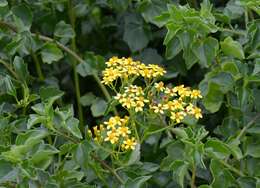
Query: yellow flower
x=128, y=103
x=123, y=131
x=157, y=108
x=197, y=113
x=129, y=144
x=175, y=105
x=177, y=116
x=159, y=86
x=170, y=91
x=112, y=136
x=112, y=122
x=124, y=120
x=195, y=94
x=96, y=131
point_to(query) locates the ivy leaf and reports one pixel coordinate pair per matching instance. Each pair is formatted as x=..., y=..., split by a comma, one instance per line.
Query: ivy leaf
x=23, y=16
x=135, y=32
x=137, y=182
x=217, y=148
x=7, y=86
x=173, y=48
x=151, y=9
x=257, y=66
x=84, y=69
x=214, y=98
x=179, y=170
x=21, y=68
x=51, y=53
x=98, y=108
x=87, y=99
x=206, y=51
x=221, y=176
x=134, y=156
x=72, y=125
x=63, y=30
x=233, y=48
x=3, y=3
x=50, y=94
x=7, y=172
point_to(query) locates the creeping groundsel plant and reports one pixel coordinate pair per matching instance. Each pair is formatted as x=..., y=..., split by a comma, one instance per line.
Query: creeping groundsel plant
x=152, y=98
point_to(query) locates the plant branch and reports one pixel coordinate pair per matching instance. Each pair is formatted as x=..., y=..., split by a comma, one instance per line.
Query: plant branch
x=8, y=67
x=74, y=65
x=231, y=168
x=232, y=31
x=66, y=49
x=193, y=177
x=247, y=126
x=37, y=65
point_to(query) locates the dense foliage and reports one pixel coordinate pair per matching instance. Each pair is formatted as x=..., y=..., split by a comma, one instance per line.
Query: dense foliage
x=72, y=114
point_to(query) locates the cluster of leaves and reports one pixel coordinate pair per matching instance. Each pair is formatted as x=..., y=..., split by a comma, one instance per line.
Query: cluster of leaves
x=52, y=54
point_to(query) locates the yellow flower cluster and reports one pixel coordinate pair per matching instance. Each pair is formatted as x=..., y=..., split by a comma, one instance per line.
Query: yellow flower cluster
x=132, y=98
x=126, y=67
x=115, y=131
x=177, y=102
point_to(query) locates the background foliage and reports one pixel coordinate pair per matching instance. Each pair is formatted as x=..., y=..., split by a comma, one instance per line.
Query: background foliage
x=51, y=58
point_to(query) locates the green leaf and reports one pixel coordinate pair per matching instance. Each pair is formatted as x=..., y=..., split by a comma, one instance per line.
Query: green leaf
x=3, y=3
x=152, y=8
x=84, y=69
x=81, y=154
x=135, y=32
x=217, y=148
x=87, y=99
x=31, y=137
x=257, y=66
x=35, y=119
x=221, y=177
x=150, y=56
x=43, y=156
x=214, y=98
x=179, y=170
x=173, y=47
x=233, y=48
x=50, y=94
x=21, y=68
x=134, y=156
x=63, y=30
x=7, y=86
x=246, y=182
x=253, y=148
x=206, y=51
x=98, y=107
x=72, y=125
x=7, y=172
x=231, y=68
x=51, y=53
x=137, y=182
x=24, y=15
x=119, y=5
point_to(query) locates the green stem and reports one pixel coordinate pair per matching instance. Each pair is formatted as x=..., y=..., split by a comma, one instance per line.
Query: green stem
x=239, y=136
x=231, y=168
x=193, y=177
x=74, y=65
x=37, y=66
x=246, y=18
x=232, y=31
x=9, y=68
